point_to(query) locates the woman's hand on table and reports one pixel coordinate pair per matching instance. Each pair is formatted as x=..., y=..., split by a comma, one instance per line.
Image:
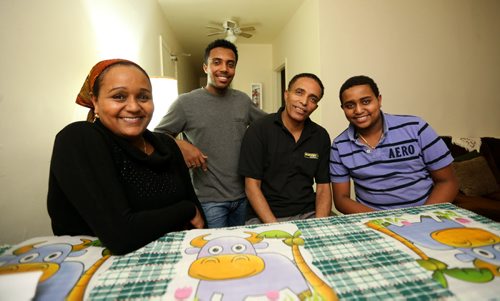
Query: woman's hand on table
x=197, y=221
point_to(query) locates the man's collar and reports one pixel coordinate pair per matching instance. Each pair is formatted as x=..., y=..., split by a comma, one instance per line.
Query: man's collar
x=277, y=116
x=352, y=133
x=222, y=94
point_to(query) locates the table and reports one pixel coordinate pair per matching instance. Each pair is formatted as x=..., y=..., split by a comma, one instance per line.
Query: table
x=419, y=253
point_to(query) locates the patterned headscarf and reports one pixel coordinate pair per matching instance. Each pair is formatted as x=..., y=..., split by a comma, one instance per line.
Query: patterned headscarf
x=83, y=97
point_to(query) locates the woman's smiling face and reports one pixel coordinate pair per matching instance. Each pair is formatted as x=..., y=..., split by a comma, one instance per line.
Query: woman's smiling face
x=125, y=102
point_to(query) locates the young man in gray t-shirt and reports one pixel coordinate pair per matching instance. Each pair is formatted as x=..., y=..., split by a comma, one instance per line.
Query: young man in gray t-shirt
x=213, y=119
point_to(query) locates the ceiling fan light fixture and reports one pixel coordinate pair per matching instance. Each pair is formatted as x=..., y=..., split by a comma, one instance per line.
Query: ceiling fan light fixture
x=229, y=24
x=231, y=37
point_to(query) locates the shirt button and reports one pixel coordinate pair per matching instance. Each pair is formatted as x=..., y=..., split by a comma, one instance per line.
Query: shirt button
x=368, y=150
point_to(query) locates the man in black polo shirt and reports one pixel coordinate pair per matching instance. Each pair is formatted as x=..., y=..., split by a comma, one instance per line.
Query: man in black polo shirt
x=283, y=154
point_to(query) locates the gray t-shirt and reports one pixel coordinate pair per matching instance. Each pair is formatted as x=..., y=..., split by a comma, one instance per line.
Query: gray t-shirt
x=216, y=125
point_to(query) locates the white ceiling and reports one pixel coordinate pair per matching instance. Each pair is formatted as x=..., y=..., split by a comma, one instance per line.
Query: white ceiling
x=188, y=20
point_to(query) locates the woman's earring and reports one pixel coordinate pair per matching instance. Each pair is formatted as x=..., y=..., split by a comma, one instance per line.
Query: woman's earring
x=96, y=116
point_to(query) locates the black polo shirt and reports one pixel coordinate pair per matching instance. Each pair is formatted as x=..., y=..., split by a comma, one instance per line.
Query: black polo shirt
x=287, y=170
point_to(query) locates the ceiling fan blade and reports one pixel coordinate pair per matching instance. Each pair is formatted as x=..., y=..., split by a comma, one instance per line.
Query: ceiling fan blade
x=246, y=35
x=247, y=28
x=213, y=27
x=215, y=33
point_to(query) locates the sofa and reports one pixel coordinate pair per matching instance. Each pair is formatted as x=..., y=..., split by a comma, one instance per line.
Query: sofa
x=477, y=167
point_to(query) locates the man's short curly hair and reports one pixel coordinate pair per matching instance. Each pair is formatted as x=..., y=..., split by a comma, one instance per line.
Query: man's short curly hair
x=358, y=81
x=308, y=75
x=221, y=43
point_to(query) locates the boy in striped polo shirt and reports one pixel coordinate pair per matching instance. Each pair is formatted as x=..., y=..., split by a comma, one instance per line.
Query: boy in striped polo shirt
x=394, y=161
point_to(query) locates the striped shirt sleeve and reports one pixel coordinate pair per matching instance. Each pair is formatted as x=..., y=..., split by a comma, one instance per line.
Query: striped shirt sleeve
x=435, y=153
x=338, y=171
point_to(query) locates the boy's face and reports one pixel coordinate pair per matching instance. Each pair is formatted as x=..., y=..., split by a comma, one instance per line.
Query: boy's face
x=361, y=107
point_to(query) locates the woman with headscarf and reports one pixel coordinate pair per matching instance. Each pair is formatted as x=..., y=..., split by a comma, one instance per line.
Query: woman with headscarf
x=112, y=178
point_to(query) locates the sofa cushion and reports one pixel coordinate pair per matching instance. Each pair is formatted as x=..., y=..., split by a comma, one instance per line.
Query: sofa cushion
x=475, y=177
x=485, y=206
x=491, y=151
x=470, y=155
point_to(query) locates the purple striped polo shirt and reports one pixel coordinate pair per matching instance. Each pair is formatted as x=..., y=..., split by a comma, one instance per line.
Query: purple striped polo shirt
x=396, y=173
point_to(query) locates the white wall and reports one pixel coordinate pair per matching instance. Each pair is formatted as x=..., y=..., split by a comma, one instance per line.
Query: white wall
x=297, y=46
x=438, y=59
x=47, y=49
x=254, y=66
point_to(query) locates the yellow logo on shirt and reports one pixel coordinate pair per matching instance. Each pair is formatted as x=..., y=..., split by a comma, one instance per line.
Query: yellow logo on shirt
x=311, y=155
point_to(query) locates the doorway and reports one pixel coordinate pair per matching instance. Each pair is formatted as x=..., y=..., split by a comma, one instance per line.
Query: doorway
x=282, y=85
x=280, y=80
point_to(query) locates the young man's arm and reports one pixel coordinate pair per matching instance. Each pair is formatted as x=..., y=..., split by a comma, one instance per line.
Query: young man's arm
x=445, y=186
x=173, y=123
x=343, y=201
x=258, y=201
x=323, y=200
x=193, y=156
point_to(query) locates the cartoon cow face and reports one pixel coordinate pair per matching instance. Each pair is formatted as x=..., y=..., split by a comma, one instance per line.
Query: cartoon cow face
x=489, y=254
x=475, y=243
x=52, y=253
x=44, y=258
x=226, y=257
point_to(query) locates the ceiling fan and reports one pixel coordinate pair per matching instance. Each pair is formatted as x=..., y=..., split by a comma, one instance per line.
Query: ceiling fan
x=232, y=30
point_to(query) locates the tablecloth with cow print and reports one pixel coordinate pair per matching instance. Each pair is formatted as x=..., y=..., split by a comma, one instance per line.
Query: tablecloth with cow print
x=420, y=253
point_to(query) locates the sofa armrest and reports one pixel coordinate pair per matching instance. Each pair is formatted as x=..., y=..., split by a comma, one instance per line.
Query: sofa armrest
x=488, y=205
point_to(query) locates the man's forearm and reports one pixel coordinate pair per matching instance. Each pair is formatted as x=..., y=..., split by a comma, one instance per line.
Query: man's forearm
x=445, y=186
x=323, y=200
x=442, y=193
x=262, y=209
x=347, y=205
x=258, y=201
x=342, y=199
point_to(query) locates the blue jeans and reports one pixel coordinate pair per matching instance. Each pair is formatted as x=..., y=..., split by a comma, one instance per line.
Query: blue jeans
x=225, y=214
